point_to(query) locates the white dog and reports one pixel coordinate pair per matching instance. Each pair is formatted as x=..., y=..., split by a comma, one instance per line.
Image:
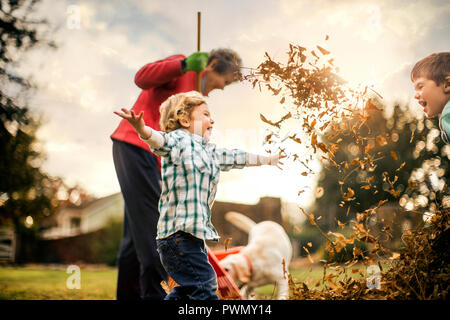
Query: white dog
x=264, y=260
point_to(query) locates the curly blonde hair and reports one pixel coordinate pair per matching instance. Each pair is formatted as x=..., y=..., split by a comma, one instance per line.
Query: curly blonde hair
x=177, y=106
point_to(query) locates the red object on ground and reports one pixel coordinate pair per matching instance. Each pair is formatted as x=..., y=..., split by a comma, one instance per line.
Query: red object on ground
x=227, y=288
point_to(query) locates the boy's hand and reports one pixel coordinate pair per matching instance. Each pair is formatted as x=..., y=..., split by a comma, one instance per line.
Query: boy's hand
x=136, y=121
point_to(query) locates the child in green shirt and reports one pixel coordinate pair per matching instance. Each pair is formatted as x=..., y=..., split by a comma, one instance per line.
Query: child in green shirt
x=431, y=79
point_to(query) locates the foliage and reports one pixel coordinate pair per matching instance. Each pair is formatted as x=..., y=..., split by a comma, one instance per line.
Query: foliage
x=109, y=243
x=368, y=159
x=24, y=188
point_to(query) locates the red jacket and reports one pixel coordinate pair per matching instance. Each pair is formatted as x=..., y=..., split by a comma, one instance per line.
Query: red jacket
x=158, y=81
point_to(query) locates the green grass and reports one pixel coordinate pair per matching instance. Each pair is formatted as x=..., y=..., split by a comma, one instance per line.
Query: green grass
x=45, y=283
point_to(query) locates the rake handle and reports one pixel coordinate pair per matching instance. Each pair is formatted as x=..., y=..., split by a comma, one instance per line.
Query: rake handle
x=199, y=17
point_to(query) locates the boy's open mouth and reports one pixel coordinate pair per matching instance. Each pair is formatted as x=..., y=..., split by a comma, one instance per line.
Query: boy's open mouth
x=423, y=103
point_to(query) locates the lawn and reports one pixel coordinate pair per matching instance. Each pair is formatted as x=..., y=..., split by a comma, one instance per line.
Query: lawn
x=41, y=283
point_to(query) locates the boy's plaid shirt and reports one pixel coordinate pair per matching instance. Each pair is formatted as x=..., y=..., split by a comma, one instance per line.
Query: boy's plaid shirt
x=190, y=168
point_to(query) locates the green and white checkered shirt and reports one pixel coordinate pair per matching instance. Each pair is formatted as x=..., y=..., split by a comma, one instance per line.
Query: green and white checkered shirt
x=190, y=168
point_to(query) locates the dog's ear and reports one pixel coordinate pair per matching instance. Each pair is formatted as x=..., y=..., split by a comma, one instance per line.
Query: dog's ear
x=242, y=273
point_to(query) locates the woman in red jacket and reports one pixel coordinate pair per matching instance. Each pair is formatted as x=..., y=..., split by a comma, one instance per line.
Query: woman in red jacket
x=138, y=170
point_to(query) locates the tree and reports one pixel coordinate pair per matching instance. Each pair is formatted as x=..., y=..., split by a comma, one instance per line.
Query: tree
x=24, y=188
x=27, y=193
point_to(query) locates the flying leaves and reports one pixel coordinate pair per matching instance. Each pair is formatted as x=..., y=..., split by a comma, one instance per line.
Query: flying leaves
x=327, y=114
x=275, y=124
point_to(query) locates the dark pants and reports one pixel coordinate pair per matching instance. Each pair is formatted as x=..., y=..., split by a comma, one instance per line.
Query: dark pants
x=186, y=260
x=140, y=270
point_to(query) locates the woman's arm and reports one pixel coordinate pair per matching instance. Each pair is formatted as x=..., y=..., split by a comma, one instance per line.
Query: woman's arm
x=158, y=73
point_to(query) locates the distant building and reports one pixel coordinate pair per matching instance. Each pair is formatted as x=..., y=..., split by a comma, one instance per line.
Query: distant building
x=92, y=216
x=7, y=244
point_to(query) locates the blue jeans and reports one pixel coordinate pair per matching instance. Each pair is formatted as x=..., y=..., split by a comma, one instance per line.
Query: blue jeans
x=185, y=259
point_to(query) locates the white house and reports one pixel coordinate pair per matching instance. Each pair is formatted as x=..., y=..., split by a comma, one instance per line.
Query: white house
x=92, y=216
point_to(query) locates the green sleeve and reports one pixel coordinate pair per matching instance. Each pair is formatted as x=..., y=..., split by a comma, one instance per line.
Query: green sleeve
x=445, y=119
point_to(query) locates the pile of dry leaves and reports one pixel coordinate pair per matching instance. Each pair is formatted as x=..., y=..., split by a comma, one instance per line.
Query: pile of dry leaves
x=421, y=271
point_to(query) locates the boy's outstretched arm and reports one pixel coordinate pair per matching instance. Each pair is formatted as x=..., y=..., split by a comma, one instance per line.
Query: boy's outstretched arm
x=153, y=137
x=259, y=160
x=238, y=159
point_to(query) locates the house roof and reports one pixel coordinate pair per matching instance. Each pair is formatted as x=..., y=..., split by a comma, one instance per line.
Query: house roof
x=82, y=209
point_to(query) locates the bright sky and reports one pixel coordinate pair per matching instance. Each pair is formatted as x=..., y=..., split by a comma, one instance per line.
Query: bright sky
x=102, y=44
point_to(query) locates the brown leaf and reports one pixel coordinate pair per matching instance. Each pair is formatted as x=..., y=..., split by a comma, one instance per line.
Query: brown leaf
x=284, y=269
x=323, y=51
x=227, y=242
x=314, y=54
x=268, y=121
x=314, y=141
x=381, y=141
x=309, y=255
x=285, y=117
x=348, y=196
x=394, y=155
x=294, y=138
x=322, y=147
x=412, y=137
x=401, y=166
x=311, y=219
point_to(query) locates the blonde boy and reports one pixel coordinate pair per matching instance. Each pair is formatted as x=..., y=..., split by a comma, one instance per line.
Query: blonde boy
x=190, y=169
x=431, y=78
